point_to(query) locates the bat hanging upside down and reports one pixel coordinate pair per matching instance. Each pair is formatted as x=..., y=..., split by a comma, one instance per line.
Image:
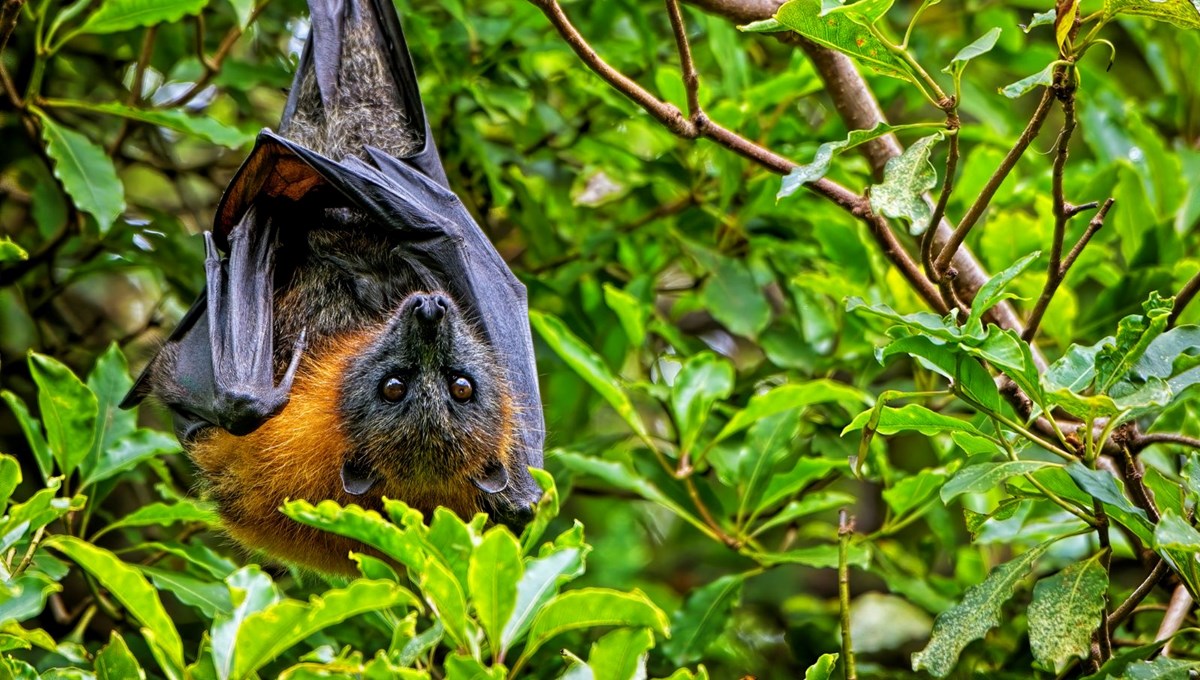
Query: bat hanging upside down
x=360, y=337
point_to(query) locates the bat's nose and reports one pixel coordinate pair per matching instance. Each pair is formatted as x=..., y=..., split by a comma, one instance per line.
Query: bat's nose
x=430, y=308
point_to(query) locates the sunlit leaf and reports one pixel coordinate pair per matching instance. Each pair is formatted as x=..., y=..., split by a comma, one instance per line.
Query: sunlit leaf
x=85, y=170
x=592, y=607
x=588, y=365
x=987, y=476
x=972, y=618
x=1043, y=78
x=265, y=634
x=1182, y=13
x=906, y=178
x=495, y=571
x=68, y=411
x=842, y=34
x=129, y=588
x=1066, y=608
x=705, y=614
x=115, y=16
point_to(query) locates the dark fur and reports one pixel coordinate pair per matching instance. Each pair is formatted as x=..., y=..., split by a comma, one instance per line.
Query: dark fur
x=339, y=280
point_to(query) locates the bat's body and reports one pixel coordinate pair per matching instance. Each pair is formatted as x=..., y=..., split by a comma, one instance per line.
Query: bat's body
x=362, y=339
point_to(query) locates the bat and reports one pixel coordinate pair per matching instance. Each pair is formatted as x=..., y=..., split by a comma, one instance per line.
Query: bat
x=358, y=337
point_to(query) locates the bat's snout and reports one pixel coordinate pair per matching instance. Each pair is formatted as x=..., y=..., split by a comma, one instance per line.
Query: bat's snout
x=431, y=308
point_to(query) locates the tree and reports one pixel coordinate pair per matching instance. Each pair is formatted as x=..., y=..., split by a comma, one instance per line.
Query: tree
x=978, y=345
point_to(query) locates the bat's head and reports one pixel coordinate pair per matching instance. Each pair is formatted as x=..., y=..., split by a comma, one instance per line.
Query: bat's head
x=427, y=407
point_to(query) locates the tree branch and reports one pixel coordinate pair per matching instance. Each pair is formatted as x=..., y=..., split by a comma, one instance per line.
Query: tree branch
x=993, y=184
x=10, y=11
x=860, y=110
x=1059, y=267
x=700, y=125
x=1177, y=611
x=1183, y=297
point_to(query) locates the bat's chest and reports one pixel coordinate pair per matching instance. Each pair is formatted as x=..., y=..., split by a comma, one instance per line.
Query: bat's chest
x=339, y=279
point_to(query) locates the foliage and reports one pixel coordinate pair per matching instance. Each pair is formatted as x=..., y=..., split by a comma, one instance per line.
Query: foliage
x=727, y=359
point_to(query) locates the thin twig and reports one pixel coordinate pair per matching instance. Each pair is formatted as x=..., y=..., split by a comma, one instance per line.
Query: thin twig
x=702, y=126
x=1122, y=612
x=691, y=78
x=213, y=65
x=993, y=184
x=1183, y=297
x=1134, y=479
x=1172, y=621
x=10, y=11
x=845, y=531
x=1059, y=267
x=136, y=87
x=939, y=210
x=1142, y=441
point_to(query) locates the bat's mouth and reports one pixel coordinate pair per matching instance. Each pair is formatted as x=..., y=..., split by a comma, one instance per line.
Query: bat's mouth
x=358, y=477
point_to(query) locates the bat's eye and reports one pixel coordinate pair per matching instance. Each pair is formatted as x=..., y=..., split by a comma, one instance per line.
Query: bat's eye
x=392, y=389
x=461, y=388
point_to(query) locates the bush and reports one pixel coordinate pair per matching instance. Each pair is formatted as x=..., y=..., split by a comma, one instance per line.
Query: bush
x=797, y=424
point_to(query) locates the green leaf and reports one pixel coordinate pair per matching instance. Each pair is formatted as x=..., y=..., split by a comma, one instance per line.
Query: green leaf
x=1135, y=333
x=540, y=582
x=364, y=525
x=588, y=365
x=211, y=598
x=1182, y=13
x=1040, y=19
x=592, y=607
x=109, y=381
x=804, y=174
x=913, y=491
x=906, y=178
x=493, y=576
x=993, y=293
x=630, y=312
x=1043, y=78
x=11, y=252
x=1075, y=370
x=703, y=380
x=965, y=373
x=266, y=634
x=1179, y=543
x=912, y=417
x=68, y=410
x=823, y=668
x=864, y=12
x=115, y=16
x=116, y=662
x=202, y=127
x=131, y=589
x=842, y=34
x=445, y=595
x=732, y=294
x=25, y=596
x=164, y=514
x=788, y=397
x=703, y=617
x=1104, y=487
x=1066, y=609
x=10, y=478
x=127, y=452
x=820, y=556
x=544, y=513
x=621, y=654
x=85, y=170
x=771, y=25
x=32, y=429
x=808, y=504
x=250, y=591
x=972, y=618
x=985, y=477
x=980, y=47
